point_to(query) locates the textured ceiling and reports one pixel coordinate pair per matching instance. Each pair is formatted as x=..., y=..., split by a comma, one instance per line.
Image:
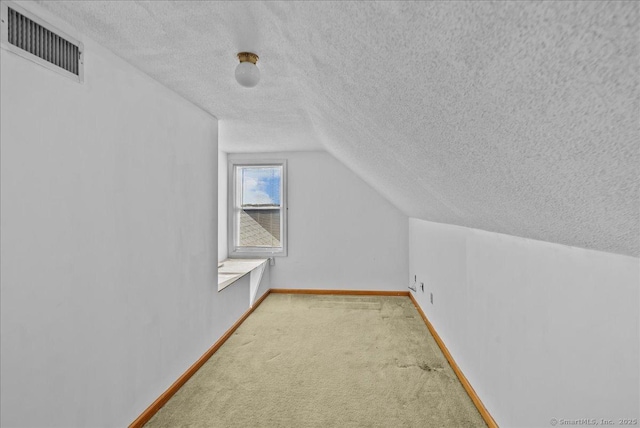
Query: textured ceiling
x=520, y=118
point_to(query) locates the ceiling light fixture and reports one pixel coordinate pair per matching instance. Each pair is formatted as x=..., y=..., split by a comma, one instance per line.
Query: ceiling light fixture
x=247, y=72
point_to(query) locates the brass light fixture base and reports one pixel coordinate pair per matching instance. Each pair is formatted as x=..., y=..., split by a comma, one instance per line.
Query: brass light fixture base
x=248, y=57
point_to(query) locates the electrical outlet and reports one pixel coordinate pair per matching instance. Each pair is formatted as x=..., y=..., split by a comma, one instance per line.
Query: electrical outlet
x=431, y=297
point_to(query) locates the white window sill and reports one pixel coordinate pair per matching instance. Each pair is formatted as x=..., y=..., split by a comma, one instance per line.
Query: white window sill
x=231, y=270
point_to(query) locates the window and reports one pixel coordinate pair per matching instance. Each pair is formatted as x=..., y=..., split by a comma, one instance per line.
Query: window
x=257, y=208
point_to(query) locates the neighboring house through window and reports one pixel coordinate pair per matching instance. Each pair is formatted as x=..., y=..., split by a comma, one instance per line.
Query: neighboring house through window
x=257, y=208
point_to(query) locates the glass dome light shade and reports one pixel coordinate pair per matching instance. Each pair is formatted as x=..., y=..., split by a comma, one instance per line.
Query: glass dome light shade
x=247, y=74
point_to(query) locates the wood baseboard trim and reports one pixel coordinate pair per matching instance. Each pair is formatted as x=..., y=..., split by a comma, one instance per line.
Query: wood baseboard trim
x=339, y=292
x=491, y=423
x=162, y=400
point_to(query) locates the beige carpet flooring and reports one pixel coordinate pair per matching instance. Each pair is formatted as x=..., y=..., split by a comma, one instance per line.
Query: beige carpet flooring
x=325, y=361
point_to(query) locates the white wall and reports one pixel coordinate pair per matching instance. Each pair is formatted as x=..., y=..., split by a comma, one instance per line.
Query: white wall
x=108, y=244
x=540, y=330
x=342, y=233
x=223, y=249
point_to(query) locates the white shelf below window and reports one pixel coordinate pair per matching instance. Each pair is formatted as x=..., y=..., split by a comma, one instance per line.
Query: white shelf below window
x=231, y=270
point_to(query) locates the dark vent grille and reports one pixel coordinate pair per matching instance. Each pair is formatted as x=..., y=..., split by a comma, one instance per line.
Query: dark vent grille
x=37, y=40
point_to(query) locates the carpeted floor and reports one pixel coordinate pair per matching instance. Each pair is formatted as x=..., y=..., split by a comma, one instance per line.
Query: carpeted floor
x=325, y=361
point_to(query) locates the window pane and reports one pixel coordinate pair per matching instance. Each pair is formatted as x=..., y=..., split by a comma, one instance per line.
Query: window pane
x=261, y=186
x=260, y=228
x=260, y=206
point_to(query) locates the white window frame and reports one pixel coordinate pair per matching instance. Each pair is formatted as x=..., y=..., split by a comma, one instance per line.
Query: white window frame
x=234, y=196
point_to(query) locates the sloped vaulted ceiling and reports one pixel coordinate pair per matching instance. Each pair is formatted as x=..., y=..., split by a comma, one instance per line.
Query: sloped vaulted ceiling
x=514, y=117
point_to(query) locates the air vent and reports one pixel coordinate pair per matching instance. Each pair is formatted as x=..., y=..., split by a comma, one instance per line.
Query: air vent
x=30, y=37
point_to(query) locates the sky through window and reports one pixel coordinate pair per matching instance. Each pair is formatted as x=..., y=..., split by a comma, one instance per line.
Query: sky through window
x=261, y=185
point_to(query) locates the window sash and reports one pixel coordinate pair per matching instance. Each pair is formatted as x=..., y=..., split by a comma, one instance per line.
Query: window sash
x=235, y=209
